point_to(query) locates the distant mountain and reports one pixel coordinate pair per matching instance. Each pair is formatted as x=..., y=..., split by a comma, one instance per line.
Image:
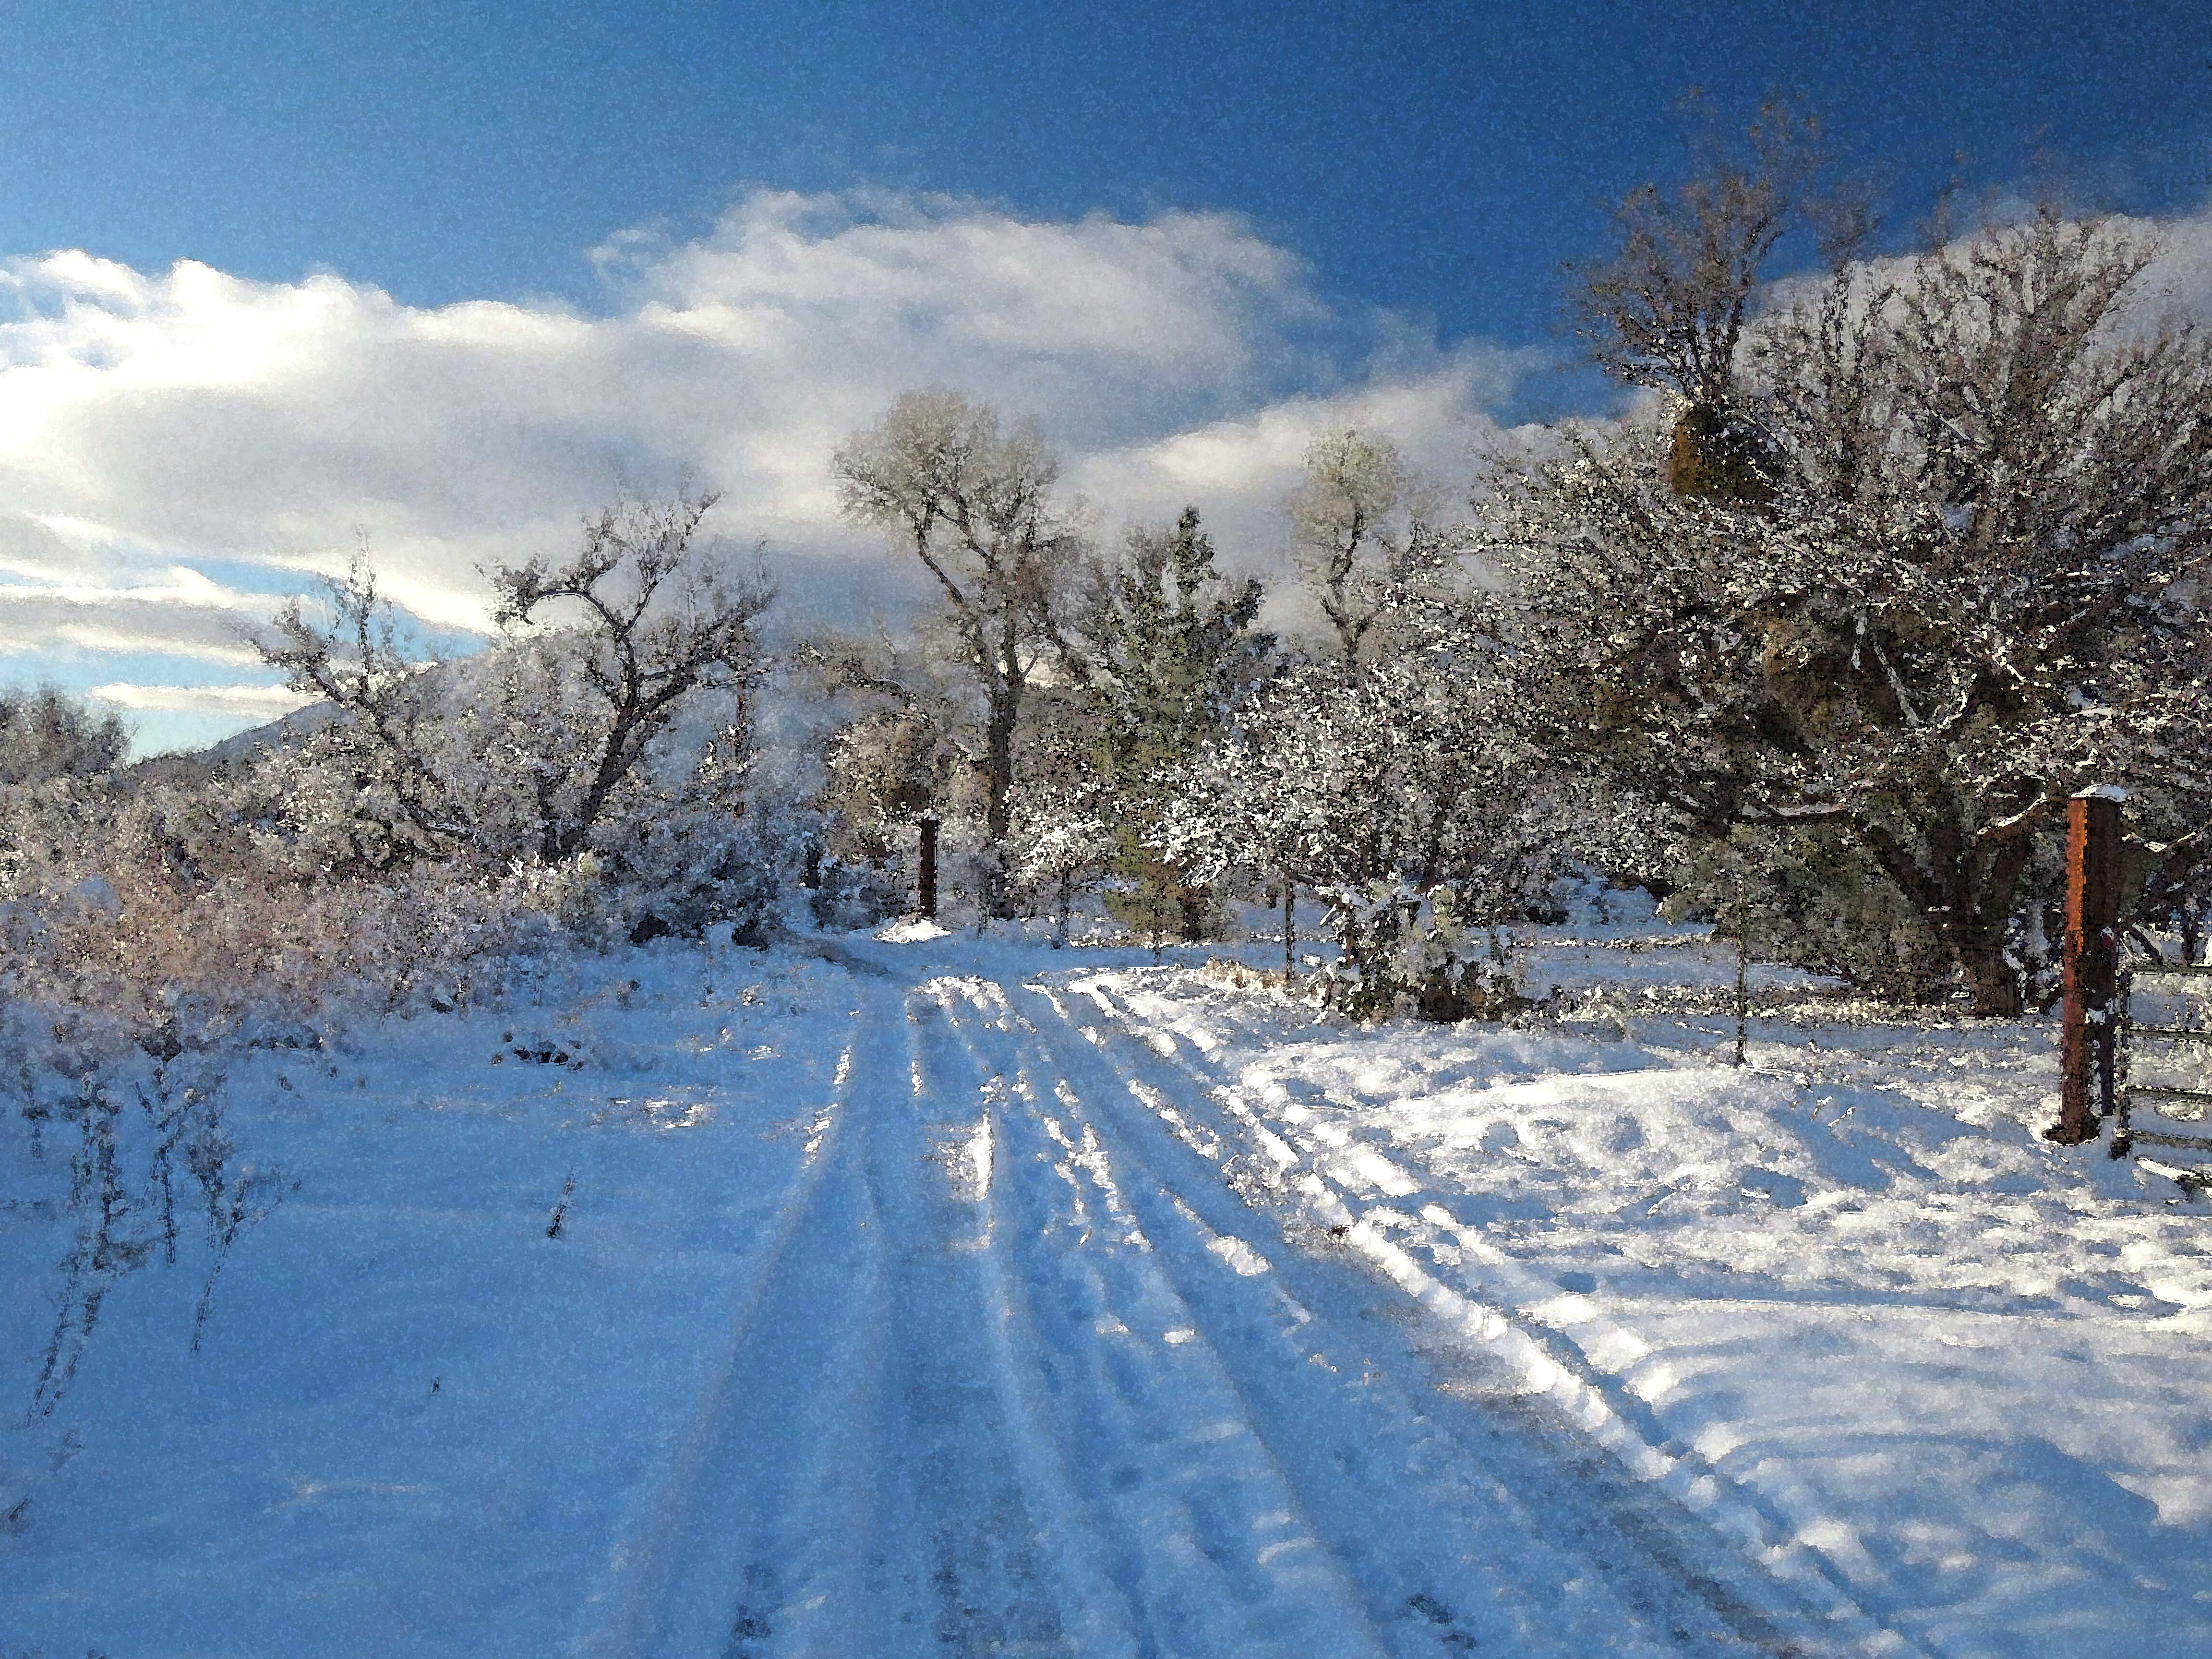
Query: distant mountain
x=256, y=740
x=233, y=750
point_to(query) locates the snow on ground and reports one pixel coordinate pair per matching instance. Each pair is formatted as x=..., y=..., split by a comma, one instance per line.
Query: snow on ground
x=924, y=1294
x=1849, y=1289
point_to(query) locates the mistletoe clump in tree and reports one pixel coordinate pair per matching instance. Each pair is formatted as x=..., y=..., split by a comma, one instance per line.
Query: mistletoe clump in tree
x=1944, y=576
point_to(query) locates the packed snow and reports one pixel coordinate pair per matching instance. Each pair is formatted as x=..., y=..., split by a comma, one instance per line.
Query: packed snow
x=930, y=1293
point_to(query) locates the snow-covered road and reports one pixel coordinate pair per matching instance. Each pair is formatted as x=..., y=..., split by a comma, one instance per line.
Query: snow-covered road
x=1022, y=1373
x=946, y=1296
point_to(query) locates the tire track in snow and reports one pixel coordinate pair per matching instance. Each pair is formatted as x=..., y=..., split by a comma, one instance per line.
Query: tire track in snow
x=860, y=1490
x=1205, y=1539
x=1672, y=1525
x=944, y=1421
x=971, y=1554
x=1448, y=1556
x=1094, y=1612
x=734, y=1533
x=1442, y=1549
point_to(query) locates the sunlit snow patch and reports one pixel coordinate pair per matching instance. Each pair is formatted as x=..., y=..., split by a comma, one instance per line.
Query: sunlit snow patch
x=677, y=1114
x=914, y=932
x=978, y=1149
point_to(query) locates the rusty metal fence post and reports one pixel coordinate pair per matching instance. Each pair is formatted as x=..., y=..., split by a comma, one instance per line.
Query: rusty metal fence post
x=2090, y=967
x=928, y=862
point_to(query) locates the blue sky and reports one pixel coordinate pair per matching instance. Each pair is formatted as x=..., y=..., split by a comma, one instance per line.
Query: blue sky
x=1357, y=200
x=1437, y=158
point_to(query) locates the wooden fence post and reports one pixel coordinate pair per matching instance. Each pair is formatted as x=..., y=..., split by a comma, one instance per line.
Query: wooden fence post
x=2090, y=967
x=927, y=872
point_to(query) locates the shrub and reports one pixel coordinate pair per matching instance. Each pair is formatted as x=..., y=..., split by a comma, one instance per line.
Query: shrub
x=852, y=893
x=1404, y=951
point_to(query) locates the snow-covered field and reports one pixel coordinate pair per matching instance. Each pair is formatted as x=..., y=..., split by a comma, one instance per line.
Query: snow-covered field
x=925, y=1294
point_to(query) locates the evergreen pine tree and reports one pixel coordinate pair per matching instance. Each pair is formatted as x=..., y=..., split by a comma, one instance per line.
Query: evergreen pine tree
x=1170, y=640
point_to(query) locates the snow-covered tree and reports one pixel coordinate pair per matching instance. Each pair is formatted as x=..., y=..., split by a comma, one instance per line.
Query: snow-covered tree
x=1965, y=585
x=611, y=721
x=893, y=747
x=650, y=617
x=376, y=767
x=1167, y=646
x=975, y=507
x=1358, y=531
x=1065, y=833
x=1395, y=790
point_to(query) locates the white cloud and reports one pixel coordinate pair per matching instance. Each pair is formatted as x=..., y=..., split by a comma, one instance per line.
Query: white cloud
x=1188, y=306
x=179, y=612
x=1240, y=470
x=151, y=423
x=196, y=413
x=249, y=703
x=2179, y=281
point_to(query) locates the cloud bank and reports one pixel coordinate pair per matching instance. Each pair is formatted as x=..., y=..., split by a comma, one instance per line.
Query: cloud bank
x=177, y=448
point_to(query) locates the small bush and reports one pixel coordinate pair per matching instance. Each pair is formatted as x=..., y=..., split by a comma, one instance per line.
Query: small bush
x=1404, y=952
x=681, y=874
x=125, y=1127
x=852, y=893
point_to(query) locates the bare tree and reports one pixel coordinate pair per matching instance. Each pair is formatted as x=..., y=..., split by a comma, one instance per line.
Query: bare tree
x=976, y=507
x=657, y=623
x=1668, y=308
x=1356, y=529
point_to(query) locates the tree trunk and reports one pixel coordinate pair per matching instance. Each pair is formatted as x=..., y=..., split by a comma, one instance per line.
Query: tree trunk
x=1742, y=976
x=1968, y=904
x=1995, y=986
x=1432, y=849
x=618, y=755
x=1006, y=703
x=1993, y=867
x=925, y=865
x=1190, y=910
x=999, y=764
